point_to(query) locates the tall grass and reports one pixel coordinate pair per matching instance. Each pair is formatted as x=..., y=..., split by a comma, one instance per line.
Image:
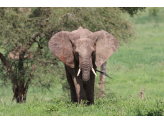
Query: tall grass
x=137, y=63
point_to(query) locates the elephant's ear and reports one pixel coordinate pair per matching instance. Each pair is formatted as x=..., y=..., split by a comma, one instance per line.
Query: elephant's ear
x=106, y=45
x=61, y=47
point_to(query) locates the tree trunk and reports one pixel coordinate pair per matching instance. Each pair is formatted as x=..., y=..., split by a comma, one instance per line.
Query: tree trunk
x=20, y=91
x=102, y=80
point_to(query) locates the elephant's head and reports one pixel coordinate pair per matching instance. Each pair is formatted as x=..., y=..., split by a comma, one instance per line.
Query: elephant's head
x=84, y=48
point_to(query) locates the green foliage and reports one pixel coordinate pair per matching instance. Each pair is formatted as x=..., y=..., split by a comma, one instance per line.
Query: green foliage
x=153, y=11
x=132, y=10
x=16, y=29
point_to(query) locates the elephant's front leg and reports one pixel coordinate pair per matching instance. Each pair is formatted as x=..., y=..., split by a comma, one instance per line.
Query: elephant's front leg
x=81, y=95
x=90, y=93
x=89, y=89
x=72, y=86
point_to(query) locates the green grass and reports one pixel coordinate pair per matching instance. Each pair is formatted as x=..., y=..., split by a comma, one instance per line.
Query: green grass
x=140, y=62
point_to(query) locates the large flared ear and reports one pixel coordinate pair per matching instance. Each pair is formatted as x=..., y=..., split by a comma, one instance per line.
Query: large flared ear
x=61, y=47
x=106, y=45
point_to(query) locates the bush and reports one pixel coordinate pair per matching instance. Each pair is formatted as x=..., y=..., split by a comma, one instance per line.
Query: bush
x=153, y=11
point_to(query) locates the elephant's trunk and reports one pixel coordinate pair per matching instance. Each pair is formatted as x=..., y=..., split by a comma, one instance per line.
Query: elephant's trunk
x=85, y=71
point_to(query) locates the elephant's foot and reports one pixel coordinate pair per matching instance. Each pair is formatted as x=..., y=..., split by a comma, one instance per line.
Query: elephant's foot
x=90, y=103
x=74, y=99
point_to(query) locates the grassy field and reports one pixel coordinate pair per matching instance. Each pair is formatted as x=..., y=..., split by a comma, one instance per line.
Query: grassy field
x=140, y=62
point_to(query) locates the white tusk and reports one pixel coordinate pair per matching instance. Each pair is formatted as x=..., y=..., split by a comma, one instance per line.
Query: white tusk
x=78, y=72
x=94, y=72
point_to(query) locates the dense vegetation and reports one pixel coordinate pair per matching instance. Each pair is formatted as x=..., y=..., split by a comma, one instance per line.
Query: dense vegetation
x=139, y=62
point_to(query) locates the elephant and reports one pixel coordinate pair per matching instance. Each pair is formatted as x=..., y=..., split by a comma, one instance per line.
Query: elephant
x=82, y=51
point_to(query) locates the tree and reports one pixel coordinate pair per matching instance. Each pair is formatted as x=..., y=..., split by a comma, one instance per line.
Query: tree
x=18, y=34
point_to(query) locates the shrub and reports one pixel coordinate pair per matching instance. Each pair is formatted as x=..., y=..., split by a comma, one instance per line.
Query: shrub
x=153, y=11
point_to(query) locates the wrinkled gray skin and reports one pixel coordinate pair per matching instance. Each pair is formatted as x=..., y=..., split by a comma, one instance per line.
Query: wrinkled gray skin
x=84, y=50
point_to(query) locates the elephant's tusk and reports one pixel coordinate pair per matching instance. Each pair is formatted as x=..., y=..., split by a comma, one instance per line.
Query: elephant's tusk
x=78, y=72
x=94, y=72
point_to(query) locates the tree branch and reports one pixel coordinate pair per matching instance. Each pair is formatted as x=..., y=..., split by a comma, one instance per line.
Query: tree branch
x=29, y=79
x=4, y=61
x=9, y=69
x=33, y=40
